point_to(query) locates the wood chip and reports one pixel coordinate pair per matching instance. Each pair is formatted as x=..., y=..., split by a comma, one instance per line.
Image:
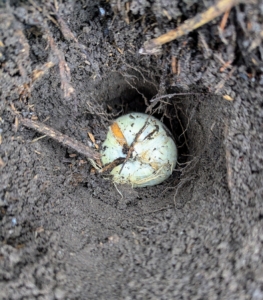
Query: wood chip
x=228, y=98
x=174, y=65
x=16, y=124
x=92, y=138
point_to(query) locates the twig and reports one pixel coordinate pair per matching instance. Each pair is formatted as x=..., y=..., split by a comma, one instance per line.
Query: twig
x=68, y=35
x=153, y=46
x=63, y=66
x=61, y=138
x=61, y=24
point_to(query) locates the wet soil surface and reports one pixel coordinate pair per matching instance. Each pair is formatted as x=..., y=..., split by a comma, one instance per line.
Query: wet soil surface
x=67, y=233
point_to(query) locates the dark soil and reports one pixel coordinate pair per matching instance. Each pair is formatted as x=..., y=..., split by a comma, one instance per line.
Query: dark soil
x=66, y=233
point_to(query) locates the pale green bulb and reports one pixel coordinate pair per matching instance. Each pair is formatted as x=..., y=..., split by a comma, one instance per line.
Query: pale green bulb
x=153, y=158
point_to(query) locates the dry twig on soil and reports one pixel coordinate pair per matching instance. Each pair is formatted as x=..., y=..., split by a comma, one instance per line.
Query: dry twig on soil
x=63, y=66
x=153, y=46
x=61, y=138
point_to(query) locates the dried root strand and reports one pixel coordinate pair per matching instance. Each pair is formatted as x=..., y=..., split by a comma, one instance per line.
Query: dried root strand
x=63, y=67
x=61, y=138
x=67, y=33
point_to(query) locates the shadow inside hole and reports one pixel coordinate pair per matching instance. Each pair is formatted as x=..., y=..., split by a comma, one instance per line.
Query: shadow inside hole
x=136, y=99
x=176, y=123
x=132, y=100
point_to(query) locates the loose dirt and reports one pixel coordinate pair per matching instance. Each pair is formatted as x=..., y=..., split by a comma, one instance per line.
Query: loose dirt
x=67, y=233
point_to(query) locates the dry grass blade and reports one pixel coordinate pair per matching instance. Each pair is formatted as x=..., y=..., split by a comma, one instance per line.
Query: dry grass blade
x=153, y=46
